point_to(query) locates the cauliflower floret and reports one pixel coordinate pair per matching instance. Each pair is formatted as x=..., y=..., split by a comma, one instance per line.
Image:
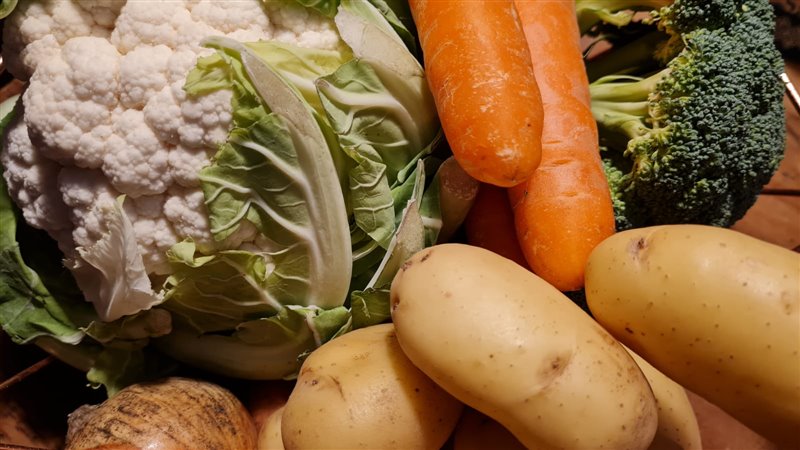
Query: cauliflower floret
x=137, y=163
x=88, y=194
x=69, y=102
x=185, y=164
x=163, y=111
x=238, y=20
x=297, y=25
x=142, y=74
x=31, y=181
x=165, y=22
x=191, y=122
x=90, y=198
x=182, y=62
x=104, y=13
x=154, y=233
x=38, y=28
x=186, y=210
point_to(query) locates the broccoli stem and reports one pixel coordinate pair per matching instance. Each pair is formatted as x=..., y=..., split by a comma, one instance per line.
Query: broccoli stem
x=619, y=5
x=638, y=109
x=622, y=118
x=622, y=88
x=615, y=12
x=621, y=104
x=636, y=56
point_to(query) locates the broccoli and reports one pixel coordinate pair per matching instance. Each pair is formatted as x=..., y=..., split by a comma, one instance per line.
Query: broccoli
x=689, y=107
x=615, y=12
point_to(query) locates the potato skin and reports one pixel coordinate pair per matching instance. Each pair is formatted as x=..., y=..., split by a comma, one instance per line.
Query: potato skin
x=713, y=309
x=269, y=435
x=359, y=391
x=510, y=345
x=677, y=423
x=476, y=431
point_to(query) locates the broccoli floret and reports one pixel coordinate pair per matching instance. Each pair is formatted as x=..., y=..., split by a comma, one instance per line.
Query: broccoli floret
x=696, y=140
x=616, y=176
x=678, y=16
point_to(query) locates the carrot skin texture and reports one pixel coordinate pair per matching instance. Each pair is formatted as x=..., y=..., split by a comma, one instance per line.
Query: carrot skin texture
x=564, y=210
x=490, y=224
x=480, y=73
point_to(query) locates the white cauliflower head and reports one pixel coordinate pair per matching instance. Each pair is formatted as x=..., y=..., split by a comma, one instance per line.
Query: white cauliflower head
x=105, y=113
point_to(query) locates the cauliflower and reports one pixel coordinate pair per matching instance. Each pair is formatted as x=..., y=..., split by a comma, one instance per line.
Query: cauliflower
x=105, y=113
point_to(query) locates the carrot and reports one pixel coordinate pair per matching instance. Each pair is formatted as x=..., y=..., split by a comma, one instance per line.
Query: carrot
x=490, y=224
x=564, y=210
x=480, y=74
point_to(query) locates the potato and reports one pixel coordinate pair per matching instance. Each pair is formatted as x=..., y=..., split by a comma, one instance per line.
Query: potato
x=476, y=431
x=677, y=423
x=359, y=391
x=720, y=431
x=505, y=342
x=263, y=398
x=266, y=400
x=713, y=309
x=269, y=435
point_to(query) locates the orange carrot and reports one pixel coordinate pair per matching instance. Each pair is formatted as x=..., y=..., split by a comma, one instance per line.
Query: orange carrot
x=480, y=73
x=490, y=224
x=565, y=209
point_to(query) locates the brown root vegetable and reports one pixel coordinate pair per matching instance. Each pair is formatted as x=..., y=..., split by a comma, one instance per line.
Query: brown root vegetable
x=174, y=413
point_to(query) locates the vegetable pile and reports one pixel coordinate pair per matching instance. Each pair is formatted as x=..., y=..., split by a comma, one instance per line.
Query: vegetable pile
x=392, y=240
x=465, y=317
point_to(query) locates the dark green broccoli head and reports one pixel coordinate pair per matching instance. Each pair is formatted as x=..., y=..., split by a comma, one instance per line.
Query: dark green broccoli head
x=696, y=141
x=684, y=16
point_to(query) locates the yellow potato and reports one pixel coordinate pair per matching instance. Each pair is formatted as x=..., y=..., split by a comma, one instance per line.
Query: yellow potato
x=505, y=342
x=359, y=391
x=677, y=423
x=718, y=430
x=477, y=431
x=264, y=398
x=713, y=309
x=269, y=436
